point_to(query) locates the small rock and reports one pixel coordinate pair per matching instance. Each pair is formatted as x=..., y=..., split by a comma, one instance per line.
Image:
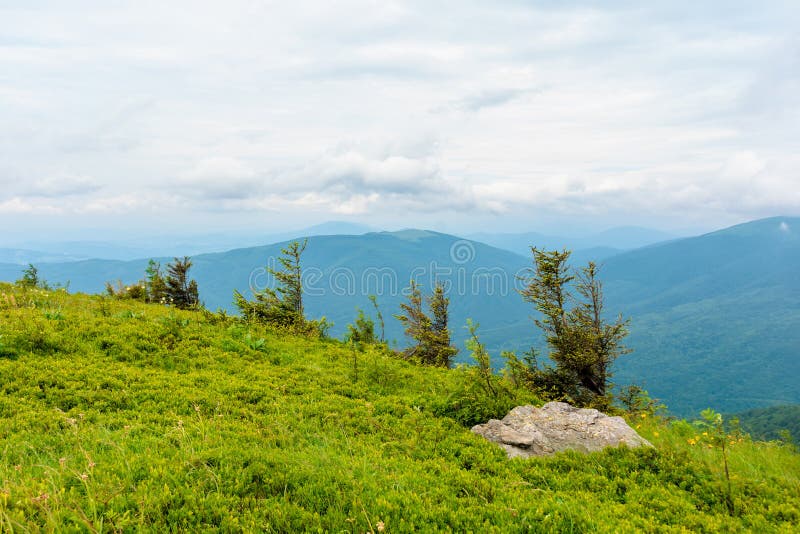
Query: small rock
x=528, y=431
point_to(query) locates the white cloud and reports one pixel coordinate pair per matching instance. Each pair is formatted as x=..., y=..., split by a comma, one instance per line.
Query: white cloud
x=219, y=177
x=18, y=205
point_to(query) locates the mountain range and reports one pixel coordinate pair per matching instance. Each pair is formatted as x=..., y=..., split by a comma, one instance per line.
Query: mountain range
x=715, y=319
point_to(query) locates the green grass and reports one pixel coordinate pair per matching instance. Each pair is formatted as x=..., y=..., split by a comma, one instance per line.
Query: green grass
x=119, y=416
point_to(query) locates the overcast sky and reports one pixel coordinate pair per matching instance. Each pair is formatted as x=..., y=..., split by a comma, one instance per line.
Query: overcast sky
x=495, y=115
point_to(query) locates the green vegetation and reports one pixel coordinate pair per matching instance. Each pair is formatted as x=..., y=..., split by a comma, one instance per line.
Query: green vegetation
x=30, y=278
x=430, y=332
x=117, y=415
x=173, y=288
x=282, y=307
x=706, y=311
x=772, y=423
x=582, y=343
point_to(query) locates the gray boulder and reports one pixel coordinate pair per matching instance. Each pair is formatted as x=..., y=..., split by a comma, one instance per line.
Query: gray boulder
x=528, y=431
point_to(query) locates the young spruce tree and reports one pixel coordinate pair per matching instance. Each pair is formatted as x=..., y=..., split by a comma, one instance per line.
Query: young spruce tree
x=180, y=291
x=283, y=305
x=430, y=333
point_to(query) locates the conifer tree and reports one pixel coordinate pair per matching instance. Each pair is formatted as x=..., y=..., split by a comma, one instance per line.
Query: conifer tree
x=416, y=322
x=30, y=277
x=600, y=340
x=283, y=305
x=154, y=282
x=181, y=292
x=582, y=343
x=430, y=334
x=442, y=352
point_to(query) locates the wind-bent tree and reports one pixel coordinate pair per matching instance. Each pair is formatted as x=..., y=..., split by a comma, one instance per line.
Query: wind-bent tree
x=154, y=282
x=180, y=291
x=600, y=339
x=374, y=300
x=582, y=343
x=430, y=334
x=282, y=305
x=30, y=278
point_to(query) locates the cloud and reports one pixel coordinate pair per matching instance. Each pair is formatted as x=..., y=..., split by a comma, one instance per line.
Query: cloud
x=218, y=178
x=18, y=205
x=62, y=185
x=611, y=110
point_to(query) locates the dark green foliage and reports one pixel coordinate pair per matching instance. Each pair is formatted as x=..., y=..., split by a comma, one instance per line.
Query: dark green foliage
x=30, y=278
x=180, y=291
x=772, y=423
x=582, y=344
x=155, y=284
x=430, y=333
x=281, y=306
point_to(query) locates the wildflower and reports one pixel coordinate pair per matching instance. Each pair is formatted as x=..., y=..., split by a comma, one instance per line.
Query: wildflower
x=379, y=526
x=655, y=434
x=643, y=415
x=62, y=461
x=84, y=476
x=91, y=464
x=18, y=468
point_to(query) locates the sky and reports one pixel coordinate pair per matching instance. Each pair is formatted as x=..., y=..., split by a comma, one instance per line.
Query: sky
x=141, y=117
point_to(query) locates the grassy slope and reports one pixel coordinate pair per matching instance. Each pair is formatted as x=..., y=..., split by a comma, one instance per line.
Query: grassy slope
x=117, y=415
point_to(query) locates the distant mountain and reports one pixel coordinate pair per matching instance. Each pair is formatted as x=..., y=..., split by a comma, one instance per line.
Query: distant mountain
x=603, y=244
x=163, y=245
x=24, y=257
x=715, y=318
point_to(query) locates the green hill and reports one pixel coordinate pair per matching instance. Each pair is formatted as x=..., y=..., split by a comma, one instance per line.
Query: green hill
x=340, y=273
x=120, y=416
x=769, y=423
